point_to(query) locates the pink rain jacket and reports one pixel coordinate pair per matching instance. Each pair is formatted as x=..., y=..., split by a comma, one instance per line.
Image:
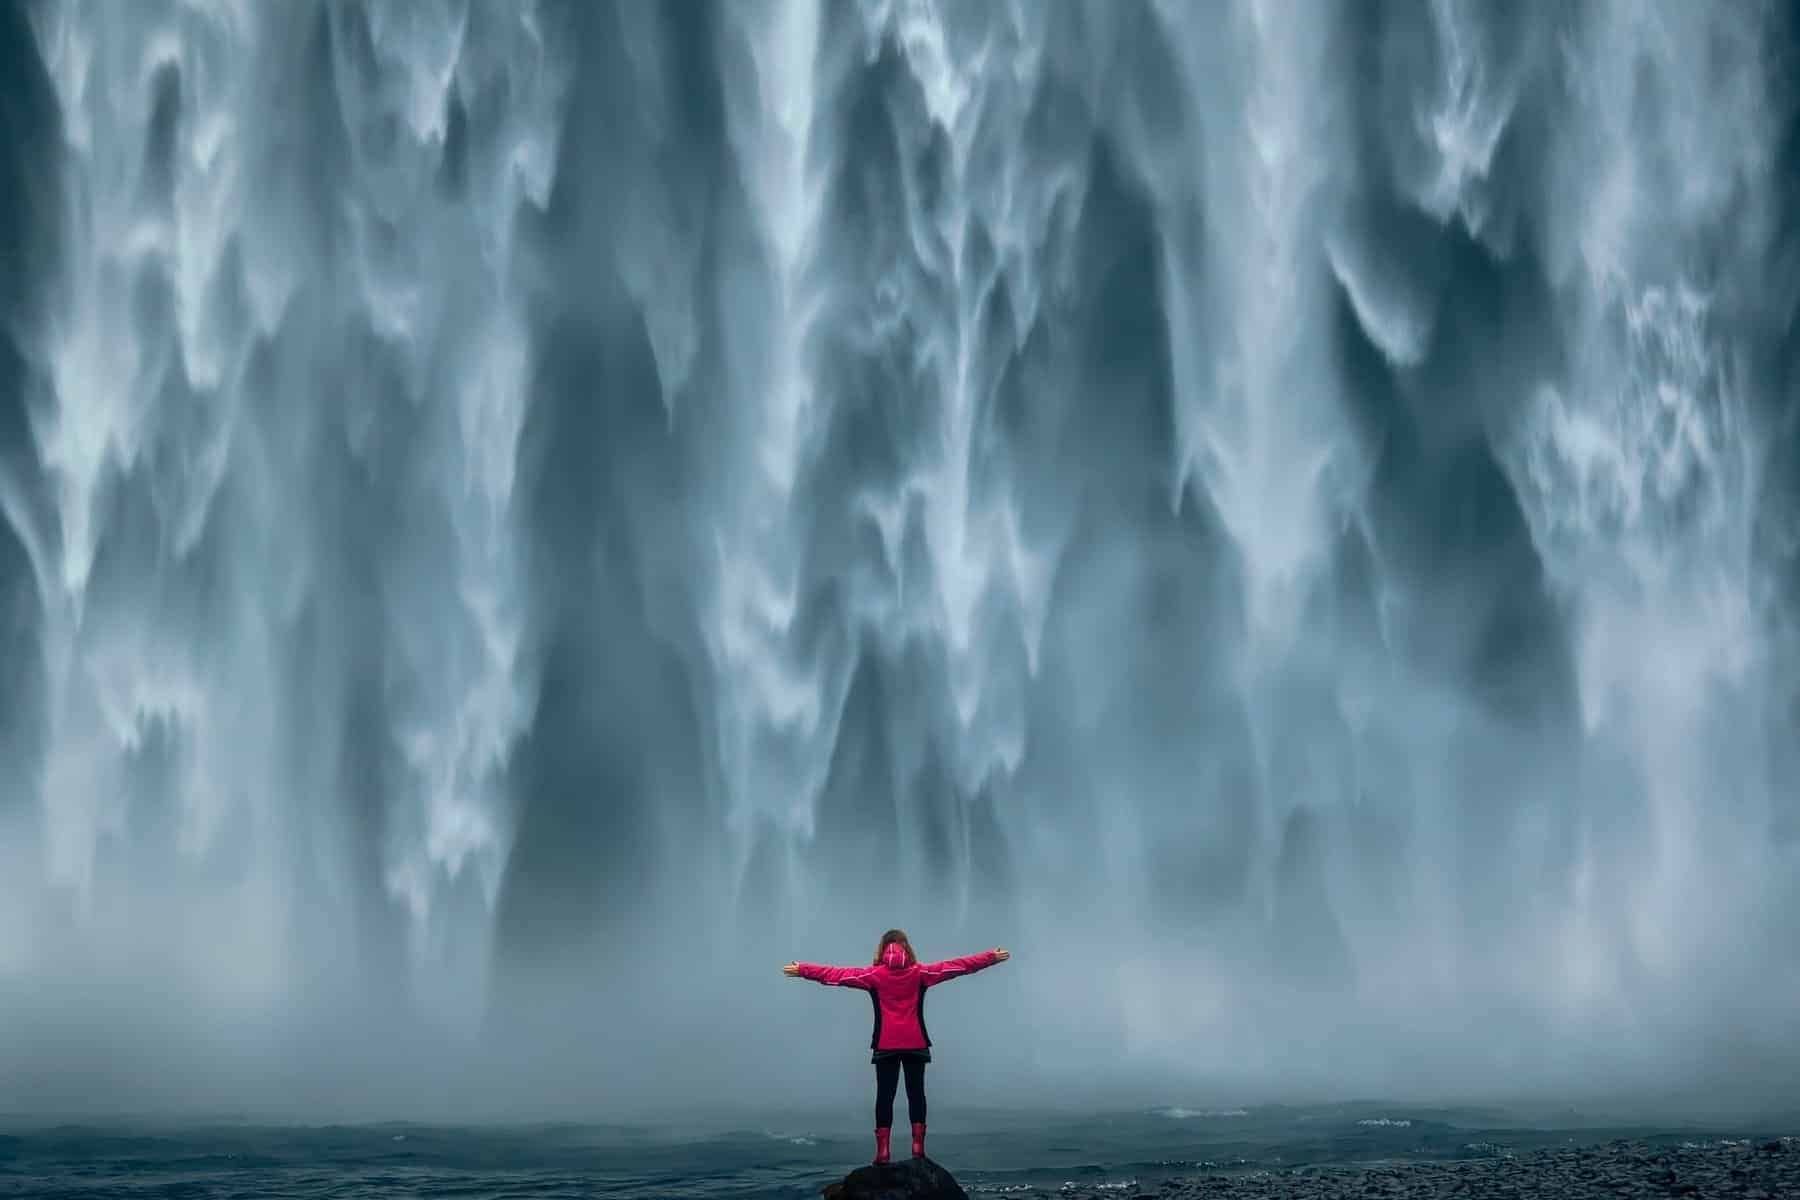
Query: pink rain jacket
x=897, y=990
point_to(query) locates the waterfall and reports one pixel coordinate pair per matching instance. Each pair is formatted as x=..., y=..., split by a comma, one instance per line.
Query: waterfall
x=520, y=518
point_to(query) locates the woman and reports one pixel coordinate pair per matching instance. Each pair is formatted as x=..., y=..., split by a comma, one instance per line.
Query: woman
x=896, y=984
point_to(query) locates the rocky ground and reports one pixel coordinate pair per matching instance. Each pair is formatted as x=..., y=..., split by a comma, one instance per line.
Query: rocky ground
x=1769, y=1170
x=903, y=1179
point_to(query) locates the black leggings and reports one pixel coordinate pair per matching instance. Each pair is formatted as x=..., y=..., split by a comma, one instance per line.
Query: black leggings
x=887, y=1078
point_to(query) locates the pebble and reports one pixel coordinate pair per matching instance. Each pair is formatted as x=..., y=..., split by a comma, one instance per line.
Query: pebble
x=1740, y=1169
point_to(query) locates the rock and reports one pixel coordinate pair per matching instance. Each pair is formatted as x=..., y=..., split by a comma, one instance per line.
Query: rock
x=1746, y=1168
x=902, y=1179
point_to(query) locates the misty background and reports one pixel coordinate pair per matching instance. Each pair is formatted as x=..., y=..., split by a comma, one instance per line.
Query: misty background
x=520, y=518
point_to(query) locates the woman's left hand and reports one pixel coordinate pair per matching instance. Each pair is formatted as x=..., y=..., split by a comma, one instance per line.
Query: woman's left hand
x=1001, y=955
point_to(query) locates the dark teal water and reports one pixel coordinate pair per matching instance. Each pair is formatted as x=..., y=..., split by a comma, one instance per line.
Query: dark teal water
x=991, y=1153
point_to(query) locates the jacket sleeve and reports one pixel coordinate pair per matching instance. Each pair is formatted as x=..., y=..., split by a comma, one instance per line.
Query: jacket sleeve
x=854, y=977
x=950, y=968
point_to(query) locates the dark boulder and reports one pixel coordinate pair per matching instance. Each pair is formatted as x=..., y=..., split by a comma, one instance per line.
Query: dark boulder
x=902, y=1179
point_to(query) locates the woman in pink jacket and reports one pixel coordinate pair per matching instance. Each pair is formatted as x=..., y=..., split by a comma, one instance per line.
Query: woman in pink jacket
x=896, y=984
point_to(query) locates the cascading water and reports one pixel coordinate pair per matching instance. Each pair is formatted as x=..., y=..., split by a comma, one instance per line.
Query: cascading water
x=520, y=518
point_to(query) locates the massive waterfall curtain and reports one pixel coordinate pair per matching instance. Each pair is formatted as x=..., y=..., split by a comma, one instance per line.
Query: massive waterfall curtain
x=521, y=517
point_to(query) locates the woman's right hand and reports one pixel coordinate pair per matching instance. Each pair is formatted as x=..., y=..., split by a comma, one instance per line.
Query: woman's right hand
x=1001, y=955
x=792, y=970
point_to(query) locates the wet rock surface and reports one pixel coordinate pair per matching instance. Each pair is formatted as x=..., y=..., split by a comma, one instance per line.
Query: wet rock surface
x=902, y=1179
x=1760, y=1168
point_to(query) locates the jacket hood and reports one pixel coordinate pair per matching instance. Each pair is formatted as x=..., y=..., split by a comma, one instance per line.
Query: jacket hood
x=894, y=957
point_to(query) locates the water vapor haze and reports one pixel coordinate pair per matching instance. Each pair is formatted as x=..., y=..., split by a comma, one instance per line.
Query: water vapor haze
x=517, y=519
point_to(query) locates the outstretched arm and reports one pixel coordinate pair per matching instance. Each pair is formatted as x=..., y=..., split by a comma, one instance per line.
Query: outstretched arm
x=950, y=968
x=855, y=977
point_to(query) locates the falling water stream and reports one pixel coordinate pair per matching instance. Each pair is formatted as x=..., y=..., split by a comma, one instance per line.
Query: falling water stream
x=519, y=518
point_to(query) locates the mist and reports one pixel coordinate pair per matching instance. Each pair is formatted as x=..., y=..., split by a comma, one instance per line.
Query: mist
x=516, y=520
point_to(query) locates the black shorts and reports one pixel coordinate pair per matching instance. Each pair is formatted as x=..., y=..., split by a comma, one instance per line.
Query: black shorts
x=915, y=1055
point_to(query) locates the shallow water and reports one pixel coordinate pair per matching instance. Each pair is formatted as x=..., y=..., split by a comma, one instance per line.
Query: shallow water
x=990, y=1152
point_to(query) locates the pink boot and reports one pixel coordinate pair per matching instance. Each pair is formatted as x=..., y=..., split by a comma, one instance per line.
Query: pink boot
x=881, y=1145
x=918, y=1139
